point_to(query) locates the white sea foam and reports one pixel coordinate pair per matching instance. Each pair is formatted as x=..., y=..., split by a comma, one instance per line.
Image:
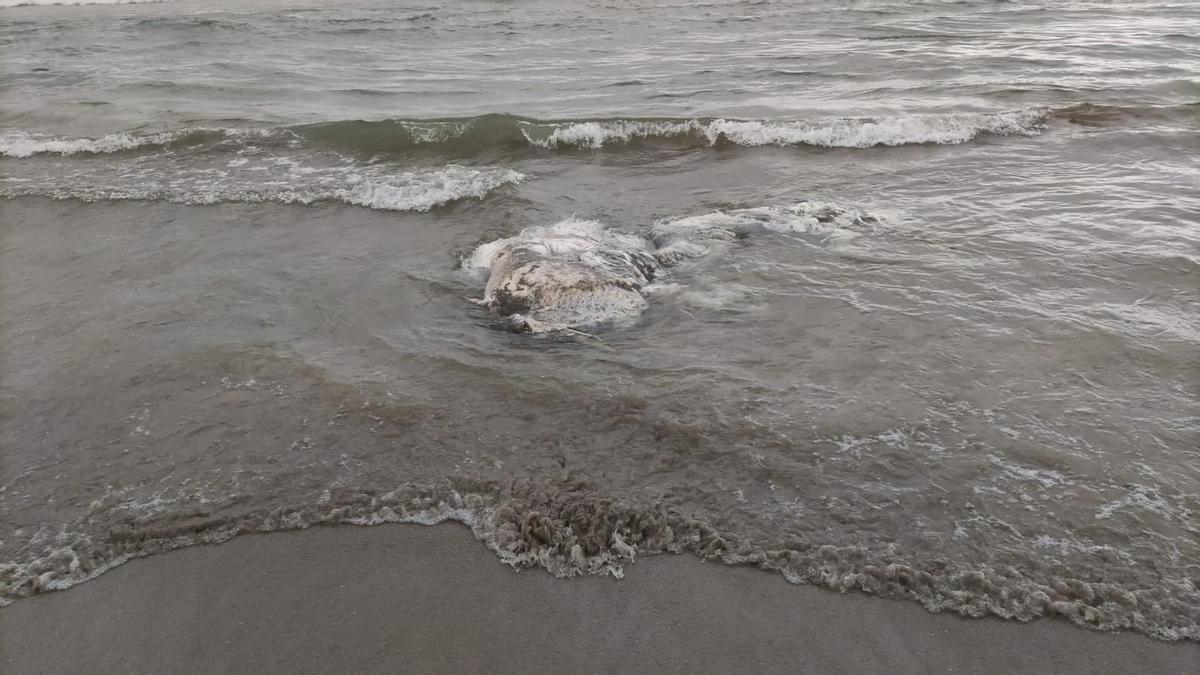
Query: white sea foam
x=942, y=129
x=1139, y=497
x=43, y=3
x=554, y=237
x=22, y=144
x=672, y=239
x=437, y=132
x=694, y=236
x=280, y=180
x=423, y=191
x=1067, y=545
x=571, y=529
x=597, y=134
x=1044, y=477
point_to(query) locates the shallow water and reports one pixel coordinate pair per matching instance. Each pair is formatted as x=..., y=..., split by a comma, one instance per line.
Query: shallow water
x=237, y=243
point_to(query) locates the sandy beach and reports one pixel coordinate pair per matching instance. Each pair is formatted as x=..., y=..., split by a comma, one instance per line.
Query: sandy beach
x=431, y=599
x=894, y=299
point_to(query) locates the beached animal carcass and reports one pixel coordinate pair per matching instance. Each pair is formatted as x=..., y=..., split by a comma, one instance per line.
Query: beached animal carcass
x=562, y=282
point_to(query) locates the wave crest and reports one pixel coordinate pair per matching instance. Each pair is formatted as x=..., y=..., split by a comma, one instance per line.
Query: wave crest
x=474, y=136
x=43, y=3
x=20, y=144
x=940, y=129
x=370, y=187
x=423, y=191
x=463, y=137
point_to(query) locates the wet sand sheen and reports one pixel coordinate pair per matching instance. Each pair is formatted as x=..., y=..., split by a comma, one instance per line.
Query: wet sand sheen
x=429, y=599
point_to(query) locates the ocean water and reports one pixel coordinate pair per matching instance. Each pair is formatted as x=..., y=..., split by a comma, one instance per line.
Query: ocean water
x=929, y=329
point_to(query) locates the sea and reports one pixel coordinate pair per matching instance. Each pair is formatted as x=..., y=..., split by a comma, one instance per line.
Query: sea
x=948, y=353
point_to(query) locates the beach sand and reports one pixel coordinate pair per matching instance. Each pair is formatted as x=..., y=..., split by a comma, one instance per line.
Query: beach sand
x=407, y=598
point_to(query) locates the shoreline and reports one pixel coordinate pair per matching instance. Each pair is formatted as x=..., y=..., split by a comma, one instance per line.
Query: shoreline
x=433, y=599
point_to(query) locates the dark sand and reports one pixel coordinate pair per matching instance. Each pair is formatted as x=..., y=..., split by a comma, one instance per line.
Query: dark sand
x=431, y=599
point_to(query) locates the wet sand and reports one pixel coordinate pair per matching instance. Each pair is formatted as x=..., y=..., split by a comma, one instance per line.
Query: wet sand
x=431, y=599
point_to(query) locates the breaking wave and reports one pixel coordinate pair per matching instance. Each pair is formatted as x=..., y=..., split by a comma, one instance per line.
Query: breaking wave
x=44, y=3
x=473, y=136
x=282, y=181
x=570, y=527
x=944, y=129
x=477, y=134
x=21, y=144
x=467, y=137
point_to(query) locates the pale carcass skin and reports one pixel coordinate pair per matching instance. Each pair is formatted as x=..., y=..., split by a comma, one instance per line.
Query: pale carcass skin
x=561, y=283
x=543, y=280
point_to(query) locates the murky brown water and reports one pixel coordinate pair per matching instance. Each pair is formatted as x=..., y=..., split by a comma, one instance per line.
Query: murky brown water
x=228, y=307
